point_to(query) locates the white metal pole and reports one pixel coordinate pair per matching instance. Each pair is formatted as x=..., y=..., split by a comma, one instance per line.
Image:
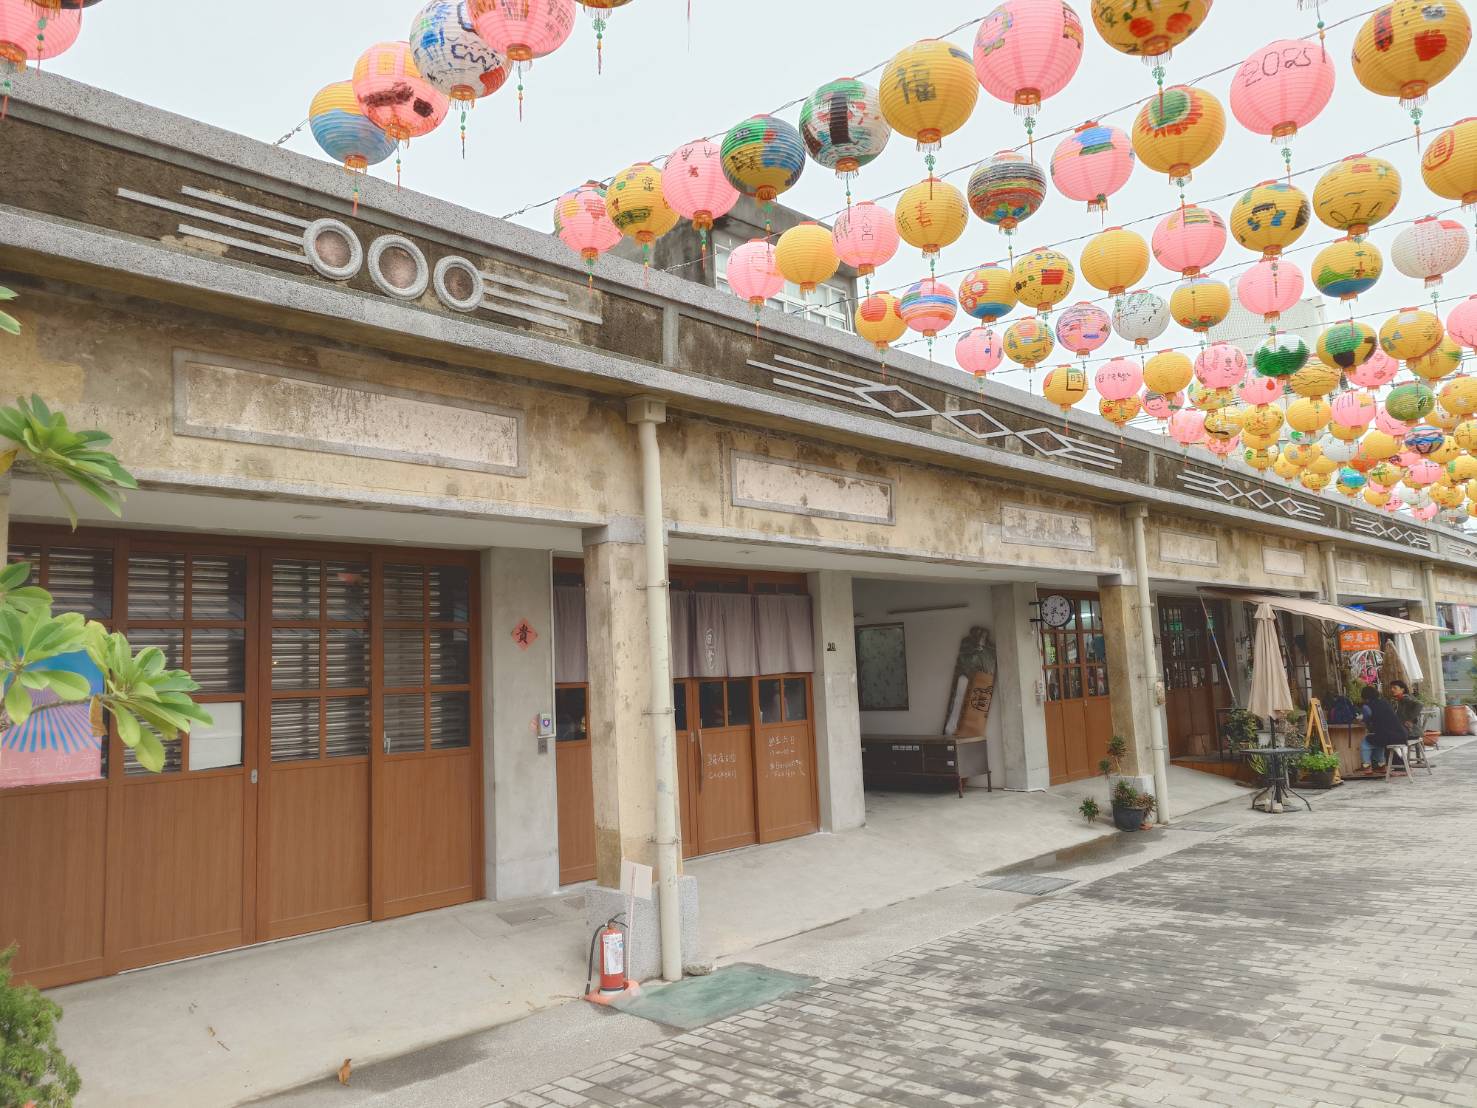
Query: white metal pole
x=1138, y=512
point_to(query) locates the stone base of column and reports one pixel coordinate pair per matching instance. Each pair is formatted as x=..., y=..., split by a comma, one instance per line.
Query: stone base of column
x=644, y=941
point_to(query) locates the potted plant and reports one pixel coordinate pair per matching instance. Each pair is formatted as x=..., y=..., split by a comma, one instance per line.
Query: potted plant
x=1242, y=728
x=33, y=1070
x=1089, y=810
x=1316, y=769
x=1454, y=719
x=1146, y=805
x=1128, y=806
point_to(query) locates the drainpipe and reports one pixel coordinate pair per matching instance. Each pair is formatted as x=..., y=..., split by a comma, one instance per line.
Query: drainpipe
x=1138, y=513
x=646, y=412
x=1436, y=679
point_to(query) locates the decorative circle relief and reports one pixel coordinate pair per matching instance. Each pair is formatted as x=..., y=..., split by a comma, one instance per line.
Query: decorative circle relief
x=398, y=268
x=333, y=249
x=458, y=284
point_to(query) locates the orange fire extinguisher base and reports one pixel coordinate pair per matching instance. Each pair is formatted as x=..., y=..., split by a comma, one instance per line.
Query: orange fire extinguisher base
x=600, y=997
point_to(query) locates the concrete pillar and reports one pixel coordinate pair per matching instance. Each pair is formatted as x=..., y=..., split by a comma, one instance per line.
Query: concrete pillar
x=1017, y=688
x=1428, y=644
x=518, y=786
x=1330, y=574
x=838, y=722
x=1132, y=704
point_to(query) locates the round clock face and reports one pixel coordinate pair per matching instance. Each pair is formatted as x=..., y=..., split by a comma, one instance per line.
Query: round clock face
x=1056, y=610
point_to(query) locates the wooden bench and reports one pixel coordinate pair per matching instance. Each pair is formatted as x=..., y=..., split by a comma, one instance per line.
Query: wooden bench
x=891, y=761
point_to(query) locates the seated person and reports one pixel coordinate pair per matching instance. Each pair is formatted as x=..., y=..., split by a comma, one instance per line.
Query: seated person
x=1407, y=707
x=1384, y=727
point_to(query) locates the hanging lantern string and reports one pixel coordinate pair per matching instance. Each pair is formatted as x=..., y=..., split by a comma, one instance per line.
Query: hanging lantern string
x=290, y=133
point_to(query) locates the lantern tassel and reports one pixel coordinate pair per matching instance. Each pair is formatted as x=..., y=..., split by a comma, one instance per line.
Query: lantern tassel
x=464, y=134
x=599, y=45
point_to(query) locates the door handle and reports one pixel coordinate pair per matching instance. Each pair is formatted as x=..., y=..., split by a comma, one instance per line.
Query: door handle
x=702, y=769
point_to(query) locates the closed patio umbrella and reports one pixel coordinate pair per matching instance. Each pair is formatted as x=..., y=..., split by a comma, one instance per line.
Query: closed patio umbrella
x=1269, y=690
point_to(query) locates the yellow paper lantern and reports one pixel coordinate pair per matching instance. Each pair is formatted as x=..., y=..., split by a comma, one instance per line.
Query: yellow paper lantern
x=1440, y=417
x=1263, y=420
x=806, y=255
x=1406, y=47
x=1376, y=498
x=1322, y=464
x=928, y=91
x=1147, y=30
x=1345, y=434
x=1347, y=267
x=1270, y=217
x=1211, y=400
x=1065, y=385
x=1028, y=342
x=1223, y=424
x=1376, y=446
x=1309, y=414
x=1261, y=459
x=1437, y=363
x=1387, y=473
x=1178, y=131
x=879, y=320
x=1120, y=412
x=1043, y=278
x=1255, y=441
x=1168, y=372
x=636, y=205
x=932, y=215
x=1461, y=469
x=1200, y=303
x=1314, y=380
x=1448, y=496
x=1466, y=435
x=1357, y=193
x=1446, y=452
x=1115, y=259
x=1346, y=346
x=1314, y=482
x=1449, y=164
x=1459, y=397
x=1285, y=468
x=1410, y=333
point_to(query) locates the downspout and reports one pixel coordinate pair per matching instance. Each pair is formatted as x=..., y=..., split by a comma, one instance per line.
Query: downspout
x=646, y=412
x=1138, y=513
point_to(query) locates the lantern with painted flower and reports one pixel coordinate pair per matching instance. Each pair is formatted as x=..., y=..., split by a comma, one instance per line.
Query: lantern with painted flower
x=753, y=275
x=931, y=215
x=806, y=255
x=1119, y=412
x=1411, y=332
x=1356, y=194
x=1200, y=303
x=987, y=293
x=1083, y=328
x=453, y=57
x=928, y=307
x=1043, y=278
x=1429, y=249
x=1270, y=217
x=1346, y=267
x=1064, y=386
x=1178, y=131
x=866, y=237
x=1147, y=30
x=1189, y=240
x=1115, y=259
x=1005, y=189
x=1028, y=342
x=1270, y=288
x=979, y=352
x=1407, y=47
x=522, y=31
x=695, y=185
x=763, y=156
x=879, y=319
x=638, y=207
x=1027, y=51
x=1091, y=164
x=584, y=225
x=843, y=127
x=928, y=92
x=345, y=133
x=1282, y=88
x=1141, y=317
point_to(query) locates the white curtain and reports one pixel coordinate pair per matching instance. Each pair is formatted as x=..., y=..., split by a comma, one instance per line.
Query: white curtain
x=571, y=651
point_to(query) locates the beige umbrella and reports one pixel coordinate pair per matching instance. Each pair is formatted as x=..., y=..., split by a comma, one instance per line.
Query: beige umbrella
x=1269, y=691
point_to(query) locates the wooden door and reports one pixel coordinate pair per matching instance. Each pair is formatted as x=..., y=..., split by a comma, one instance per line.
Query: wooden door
x=575, y=783
x=723, y=795
x=1193, y=682
x=784, y=743
x=1078, y=708
x=682, y=693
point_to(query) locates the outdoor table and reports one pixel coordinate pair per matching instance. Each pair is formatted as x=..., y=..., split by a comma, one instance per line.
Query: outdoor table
x=1277, y=758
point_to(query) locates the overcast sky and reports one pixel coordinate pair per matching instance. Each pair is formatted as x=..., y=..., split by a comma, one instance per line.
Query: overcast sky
x=253, y=69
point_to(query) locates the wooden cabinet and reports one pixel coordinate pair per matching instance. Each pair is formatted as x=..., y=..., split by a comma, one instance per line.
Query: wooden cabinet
x=891, y=761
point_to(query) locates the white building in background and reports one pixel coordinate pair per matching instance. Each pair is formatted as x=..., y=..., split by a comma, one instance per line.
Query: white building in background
x=1246, y=330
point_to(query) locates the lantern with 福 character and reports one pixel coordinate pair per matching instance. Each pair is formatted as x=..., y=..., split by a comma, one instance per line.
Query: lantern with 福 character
x=1356, y=194
x=1270, y=288
x=345, y=133
x=394, y=95
x=1346, y=346
x=866, y=237
x=931, y=215
x=1449, y=165
x=1083, y=328
x=1346, y=267
x=1028, y=342
x=1270, y=217
x=1005, y=189
x=1148, y=29
x=1411, y=332
x=1435, y=364
x=522, y=30
x=1429, y=249
x=754, y=275
x=987, y=293
x=1064, y=386
x=1200, y=303
x=762, y=157
x=843, y=127
x=928, y=92
x=1141, y=317
x=979, y=352
x=1189, y=240
x=695, y=185
x=1220, y=366
x=1178, y=131
x=1406, y=48
x=1280, y=355
x=1114, y=259
x=31, y=33
x=928, y=307
x=1027, y=51
x=638, y=207
x=1043, y=278
x=1281, y=89
x=1169, y=372
x=1091, y=164
x=583, y=223
x=454, y=58
x=879, y=319
x=806, y=255
x=600, y=21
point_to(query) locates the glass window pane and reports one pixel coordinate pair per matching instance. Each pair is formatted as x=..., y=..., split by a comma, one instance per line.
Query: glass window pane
x=679, y=706
x=294, y=730
x=348, y=592
x=770, y=708
x=79, y=580
x=797, y=706
x=450, y=658
x=174, y=754
x=1096, y=648
x=570, y=719
x=710, y=710
x=450, y=593
x=156, y=586
x=405, y=723
x=347, y=720
x=295, y=590
x=451, y=720
x=740, y=708
x=295, y=658
x=218, y=660
x=405, y=662
x=1069, y=649
x=217, y=587
x=1053, y=684
x=218, y=743
x=348, y=658
x=404, y=590
x=1073, y=690
x=1102, y=680
x=1048, y=648
x=171, y=640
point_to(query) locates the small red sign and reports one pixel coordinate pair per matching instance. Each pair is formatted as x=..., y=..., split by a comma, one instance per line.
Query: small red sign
x=524, y=634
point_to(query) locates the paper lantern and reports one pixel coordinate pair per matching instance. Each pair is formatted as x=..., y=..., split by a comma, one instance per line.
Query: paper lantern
x=1261, y=390
x=928, y=307
x=394, y=95
x=1211, y=400
x=451, y=55
x=931, y=215
x=1461, y=470
x=1028, y=342
x=1200, y=303
x=1422, y=474
x=1354, y=410
x=1405, y=48
x=520, y=30
x=1309, y=414
x=29, y=33
x=1378, y=370
x=762, y=157
x=1429, y=249
x=1376, y=498
x=1178, y=131
x=1260, y=460
x=1345, y=346
x=1161, y=407
x=754, y=275
x=1220, y=366
x=1448, y=449
x=879, y=319
x=1411, y=332
x=1064, y=386
x=1387, y=474
x=583, y=223
x=1006, y=188
x=1118, y=379
x=1282, y=87
x=1114, y=259
x=1270, y=288
x=1280, y=355
x=1091, y=164
x=1187, y=426
x=1298, y=455
x=1314, y=380
x=695, y=186
x=979, y=352
x=1119, y=412
x=1449, y=165
x=928, y=92
x=1168, y=372
x=1263, y=421
x=1409, y=403
x=842, y=126
x=1347, y=267
x=1424, y=440
x=1444, y=419
x=1270, y=217
x=1438, y=363
x=1026, y=51
x=638, y=208
x=806, y=255
x=1388, y=424
x=866, y=237
x=1357, y=193
x=987, y=293
x=597, y=10
x=345, y=133
x=1083, y=328
x=1314, y=482
x=1043, y=278
x=1466, y=435
x=1189, y=240
x=1147, y=30
x=1459, y=398
x=1461, y=323
x=1141, y=317
x=1337, y=450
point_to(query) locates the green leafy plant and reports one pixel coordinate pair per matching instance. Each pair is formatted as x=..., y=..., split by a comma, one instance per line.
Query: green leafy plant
x=32, y=1066
x=1242, y=727
x=1089, y=809
x=1104, y=767
x=1124, y=795
x=1316, y=761
x=42, y=441
x=8, y=323
x=1146, y=802
x=148, y=702
x=1117, y=751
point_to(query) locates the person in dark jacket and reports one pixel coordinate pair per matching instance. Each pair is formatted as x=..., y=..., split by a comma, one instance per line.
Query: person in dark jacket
x=1408, y=708
x=1384, y=730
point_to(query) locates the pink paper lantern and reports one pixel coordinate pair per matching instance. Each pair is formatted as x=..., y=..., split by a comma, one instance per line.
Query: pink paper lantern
x=521, y=31
x=23, y=39
x=753, y=273
x=1461, y=323
x=1282, y=87
x=394, y=95
x=1187, y=426
x=1423, y=473
x=1092, y=163
x=1162, y=407
x=1394, y=504
x=1261, y=390
x=1353, y=409
x=1189, y=240
x=928, y=307
x=1425, y=512
x=1384, y=421
x=1083, y=328
x=1118, y=379
x=1220, y=366
x=1407, y=458
x=583, y=224
x=1224, y=447
x=1026, y=51
x=1376, y=371
x=695, y=185
x=866, y=237
x=1269, y=288
x=979, y=351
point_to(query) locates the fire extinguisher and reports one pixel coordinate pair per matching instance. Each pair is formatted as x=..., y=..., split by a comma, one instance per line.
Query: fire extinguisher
x=609, y=944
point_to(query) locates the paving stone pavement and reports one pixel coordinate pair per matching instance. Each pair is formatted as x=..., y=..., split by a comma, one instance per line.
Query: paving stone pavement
x=1308, y=959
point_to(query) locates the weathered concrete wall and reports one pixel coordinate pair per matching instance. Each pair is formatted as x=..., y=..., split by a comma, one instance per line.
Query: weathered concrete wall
x=1018, y=691
x=838, y=731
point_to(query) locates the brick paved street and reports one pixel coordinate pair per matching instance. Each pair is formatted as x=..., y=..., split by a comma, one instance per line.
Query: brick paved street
x=1304, y=959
